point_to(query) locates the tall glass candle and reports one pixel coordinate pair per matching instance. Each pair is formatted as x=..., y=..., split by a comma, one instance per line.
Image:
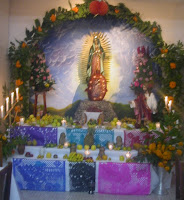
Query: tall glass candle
x=169, y=105
x=166, y=101
x=12, y=98
x=17, y=93
x=7, y=104
x=2, y=111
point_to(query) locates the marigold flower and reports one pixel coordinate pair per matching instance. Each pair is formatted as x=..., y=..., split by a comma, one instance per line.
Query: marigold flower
x=17, y=119
x=116, y=10
x=167, y=155
x=21, y=98
x=172, y=84
x=39, y=29
x=154, y=29
x=4, y=137
x=163, y=148
x=165, y=162
x=159, y=146
x=171, y=148
x=75, y=9
x=173, y=65
x=159, y=153
x=180, y=144
x=53, y=18
x=135, y=19
x=160, y=164
x=47, y=85
x=18, y=82
x=179, y=152
x=24, y=45
x=167, y=168
x=166, y=51
x=17, y=109
x=152, y=146
x=18, y=65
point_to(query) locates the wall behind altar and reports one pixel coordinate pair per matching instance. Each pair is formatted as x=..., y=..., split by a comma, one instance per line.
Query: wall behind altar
x=4, y=17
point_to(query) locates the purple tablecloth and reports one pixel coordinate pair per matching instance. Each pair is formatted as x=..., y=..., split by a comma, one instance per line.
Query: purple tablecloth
x=41, y=135
x=124, y=178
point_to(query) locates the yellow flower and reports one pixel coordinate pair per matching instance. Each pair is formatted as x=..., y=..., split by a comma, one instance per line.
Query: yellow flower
x=159, y=153
x=171, y=148
x=163, y=148
x=152, y=146
x=167, y=168
x=180, y=144
x=18, y=65
x=159, y=145
x=53, y=18
x=165, y=162
x=167, y=155
x=4, y=138
x=179, y=152
x=160, y=164
x=47, y=85
x=172, y=84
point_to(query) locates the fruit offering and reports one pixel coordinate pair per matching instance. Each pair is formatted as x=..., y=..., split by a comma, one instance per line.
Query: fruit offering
x=40, y=157
x=121, y=158
x=79, y=147
x=60, y=146
x=50, y=145
x=48, y=155
x=88, y=159
x=93, y=147
x=55, y=156
x=75, y=157
x=117, y=148
x=65, y=156
x=28, y=154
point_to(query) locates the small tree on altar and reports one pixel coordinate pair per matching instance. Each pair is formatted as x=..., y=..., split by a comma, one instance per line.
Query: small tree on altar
x=40, y=79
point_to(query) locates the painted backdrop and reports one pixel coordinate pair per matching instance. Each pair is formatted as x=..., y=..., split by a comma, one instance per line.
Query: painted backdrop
x=63, y=48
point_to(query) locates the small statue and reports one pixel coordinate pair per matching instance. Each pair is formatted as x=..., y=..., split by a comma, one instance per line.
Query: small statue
x=73, y=148
x=101, y=152
x=62, y=139
x=119, y=142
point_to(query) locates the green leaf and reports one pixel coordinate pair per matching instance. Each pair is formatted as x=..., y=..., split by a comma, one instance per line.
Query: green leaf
x=37, y=22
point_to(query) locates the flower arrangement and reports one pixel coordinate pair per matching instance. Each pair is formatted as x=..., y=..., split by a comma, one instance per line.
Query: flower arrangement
x=7, y=146
x=164, y=146
x=143, y=72
x=40, y=78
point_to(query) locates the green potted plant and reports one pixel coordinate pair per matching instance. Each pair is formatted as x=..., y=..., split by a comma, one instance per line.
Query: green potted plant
x=20, y=141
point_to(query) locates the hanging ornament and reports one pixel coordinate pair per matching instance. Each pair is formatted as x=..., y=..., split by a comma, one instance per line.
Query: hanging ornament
x=98, y=8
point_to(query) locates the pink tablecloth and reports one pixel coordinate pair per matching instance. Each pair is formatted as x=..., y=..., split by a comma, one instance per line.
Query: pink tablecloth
x=124, y=178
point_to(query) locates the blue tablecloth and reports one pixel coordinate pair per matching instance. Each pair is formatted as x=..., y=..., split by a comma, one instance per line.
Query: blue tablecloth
x=43, y=175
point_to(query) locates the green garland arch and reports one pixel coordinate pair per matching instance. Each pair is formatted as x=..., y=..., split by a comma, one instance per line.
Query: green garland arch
x=27, y=49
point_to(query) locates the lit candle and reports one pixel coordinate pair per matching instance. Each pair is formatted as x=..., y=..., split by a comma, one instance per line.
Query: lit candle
x=169, y=105
x=63, y=122
x=7, y=104
x=22, y=119
x=66, y=145
x=87, y=153
x=110, y=146
x=166, y=101
x=12, y=98
x=158, y=126
x=128, y=155
x=2, y=111
x=118, y=124
x=17, y=93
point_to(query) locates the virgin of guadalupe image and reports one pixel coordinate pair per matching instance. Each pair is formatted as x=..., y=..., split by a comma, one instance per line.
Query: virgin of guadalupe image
x=94, y=65
x=96, y=59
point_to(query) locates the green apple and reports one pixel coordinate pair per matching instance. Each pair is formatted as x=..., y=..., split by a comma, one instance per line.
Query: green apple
x=93, y=147
x=86, y=147
x=48, y=155
x=54, y=124
x=31, y=116
x=115, y=120
x=124, y=149
x=34, y=142
x=129, y=148
x=58, y=124
x=121, y=158
x=79, y=147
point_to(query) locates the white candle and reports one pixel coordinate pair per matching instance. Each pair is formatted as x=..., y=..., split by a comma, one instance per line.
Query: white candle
x=17, y=93
x=110, y=146
x=12, y=98
x=87, y=153
x=63, y=122
x=7, y=104
x=158, y=126
x=128, y=155
x=169, y=105
x=66, y=145
x=118, y=124
x=166, y=101
x=22, y=119
x=2, y=111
